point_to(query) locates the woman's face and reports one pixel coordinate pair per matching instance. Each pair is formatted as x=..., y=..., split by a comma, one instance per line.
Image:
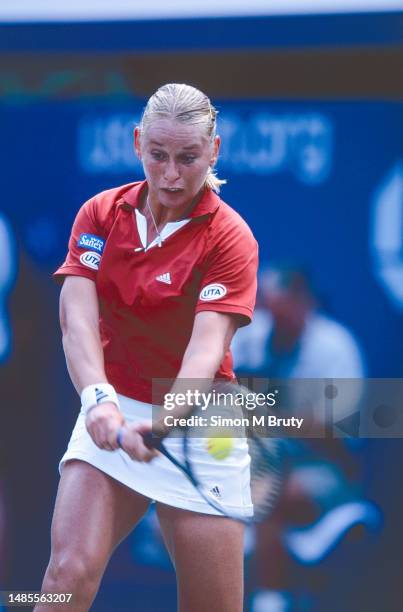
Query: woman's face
x=176, y=157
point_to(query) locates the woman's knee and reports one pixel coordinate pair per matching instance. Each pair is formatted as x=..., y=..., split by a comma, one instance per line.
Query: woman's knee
x=74, y=570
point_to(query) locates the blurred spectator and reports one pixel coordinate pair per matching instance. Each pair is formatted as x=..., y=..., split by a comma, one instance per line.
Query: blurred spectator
x=290, y=338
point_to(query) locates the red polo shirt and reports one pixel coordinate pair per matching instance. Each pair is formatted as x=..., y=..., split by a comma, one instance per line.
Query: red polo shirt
x=149, y=298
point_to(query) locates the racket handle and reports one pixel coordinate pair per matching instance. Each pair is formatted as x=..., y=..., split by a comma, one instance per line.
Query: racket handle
x=150, y=441
x=119, y=437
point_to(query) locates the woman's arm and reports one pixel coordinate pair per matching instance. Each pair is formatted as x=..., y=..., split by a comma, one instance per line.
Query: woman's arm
x=210, y=340
x=211, y=337
x=79, y=319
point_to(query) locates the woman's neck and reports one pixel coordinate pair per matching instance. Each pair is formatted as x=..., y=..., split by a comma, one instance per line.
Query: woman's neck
x=151, y=207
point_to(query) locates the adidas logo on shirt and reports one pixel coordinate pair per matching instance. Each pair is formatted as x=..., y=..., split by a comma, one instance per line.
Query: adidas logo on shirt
x=164, y=278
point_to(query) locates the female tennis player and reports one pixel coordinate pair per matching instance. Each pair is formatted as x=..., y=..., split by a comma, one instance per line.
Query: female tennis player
x=158, y=277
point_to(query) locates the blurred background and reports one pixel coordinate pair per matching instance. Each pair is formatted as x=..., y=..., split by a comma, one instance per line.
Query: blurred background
x=310, y=96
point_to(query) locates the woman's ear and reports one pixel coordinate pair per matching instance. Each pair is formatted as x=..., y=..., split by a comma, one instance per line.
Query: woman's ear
x=216, y=148
x=137, y=142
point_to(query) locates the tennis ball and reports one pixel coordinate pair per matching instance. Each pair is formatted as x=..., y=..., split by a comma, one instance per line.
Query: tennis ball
x=220, y=448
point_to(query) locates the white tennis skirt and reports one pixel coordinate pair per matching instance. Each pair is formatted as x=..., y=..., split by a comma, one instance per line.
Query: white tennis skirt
x=160, y=480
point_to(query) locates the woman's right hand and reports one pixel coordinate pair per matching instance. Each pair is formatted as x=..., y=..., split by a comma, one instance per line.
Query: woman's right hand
x=132, y=441
x=103, y=422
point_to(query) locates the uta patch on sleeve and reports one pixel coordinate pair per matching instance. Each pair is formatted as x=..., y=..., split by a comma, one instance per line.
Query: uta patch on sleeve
x=215, y=291
x=91, y=242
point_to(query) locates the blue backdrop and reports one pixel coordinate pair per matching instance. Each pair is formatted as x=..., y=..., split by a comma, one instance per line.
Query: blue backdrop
x=320, y=183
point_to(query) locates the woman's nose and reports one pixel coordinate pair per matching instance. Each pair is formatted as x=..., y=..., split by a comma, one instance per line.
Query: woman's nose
x=171, y=171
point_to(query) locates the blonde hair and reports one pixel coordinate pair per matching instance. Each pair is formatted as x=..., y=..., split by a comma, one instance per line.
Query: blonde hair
x=186, y=104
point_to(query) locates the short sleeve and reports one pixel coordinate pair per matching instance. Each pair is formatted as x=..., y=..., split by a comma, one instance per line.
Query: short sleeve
x=229, y=284
x=86, y=244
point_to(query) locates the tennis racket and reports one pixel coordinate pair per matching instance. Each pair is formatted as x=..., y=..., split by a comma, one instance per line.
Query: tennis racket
x=267, y=460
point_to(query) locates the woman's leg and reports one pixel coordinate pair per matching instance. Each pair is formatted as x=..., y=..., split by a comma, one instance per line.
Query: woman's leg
x=207, y=552
x=93, y=513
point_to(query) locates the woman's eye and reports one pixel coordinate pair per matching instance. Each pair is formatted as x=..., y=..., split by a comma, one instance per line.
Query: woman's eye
x=188, y=159
x=158, y=155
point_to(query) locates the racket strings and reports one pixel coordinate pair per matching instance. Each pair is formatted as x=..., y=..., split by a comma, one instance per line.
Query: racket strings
x=266, y=466
x=265, y=475
x=267, y=458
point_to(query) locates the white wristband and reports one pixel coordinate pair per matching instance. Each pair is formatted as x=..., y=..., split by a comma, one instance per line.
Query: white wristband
x=98, y=394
